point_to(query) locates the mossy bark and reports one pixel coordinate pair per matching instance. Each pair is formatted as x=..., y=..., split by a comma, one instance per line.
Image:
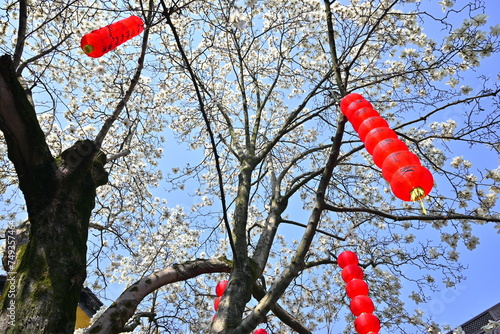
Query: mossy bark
x=47, y=275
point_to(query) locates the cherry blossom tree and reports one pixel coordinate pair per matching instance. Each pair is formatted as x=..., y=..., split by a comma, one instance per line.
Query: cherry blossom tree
x=212, y=147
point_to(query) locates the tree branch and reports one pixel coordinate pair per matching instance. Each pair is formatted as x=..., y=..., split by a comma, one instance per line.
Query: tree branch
x=21, y=32
x=27, y=148
x=113, y=320
x=123, y=102
x=383, y=214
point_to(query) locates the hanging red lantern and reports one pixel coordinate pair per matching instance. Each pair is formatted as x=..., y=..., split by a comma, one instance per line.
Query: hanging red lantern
x=348, y=99
x=369, y=124
x=396, y=160
x=360, y=115
x=260, y=331
x=386, y=147
x=220, y=288
x=352, y=271
x=355, y=106
x=100, y=41
x=381, y=142
x=376, y=135
x=412, y=182
x=346, y=258
x=216, y=303
x=361, y=304
x=367, y=323
x=356, y=287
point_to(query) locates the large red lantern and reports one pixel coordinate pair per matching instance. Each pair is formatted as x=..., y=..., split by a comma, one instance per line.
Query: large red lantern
x=376, y=135
x=360, y=115
x=396, y=160
x=260, y=331
x=362, y=304
x=220, y=288
x=348, y=99
x=352, y=271
x=386, y=147
x=100, y=41
x=356, y=287
x=411, y=182
x=356, y=105
x=346, y=258
x=367, y=323
x=369, y=124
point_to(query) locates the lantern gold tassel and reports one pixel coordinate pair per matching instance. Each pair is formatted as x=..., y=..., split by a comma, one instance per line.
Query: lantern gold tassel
x=418, y=194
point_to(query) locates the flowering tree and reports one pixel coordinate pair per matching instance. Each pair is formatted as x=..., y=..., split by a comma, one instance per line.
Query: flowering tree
x=279, y=183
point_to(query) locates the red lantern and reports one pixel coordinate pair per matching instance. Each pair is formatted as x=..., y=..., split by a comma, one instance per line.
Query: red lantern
x=360, y=115
x=369, y=124
x=346, y=258
x=386, y=147
x=344, y=103
x=352, y=271
x=356, y=287
x=362, y=304
x=355, y=106
x=367, y=323
x=100, y=41
x=260, y=331
x=396, y=160
x=216, y=303
x=411, y=182
x=376, y=135
x=220, y=288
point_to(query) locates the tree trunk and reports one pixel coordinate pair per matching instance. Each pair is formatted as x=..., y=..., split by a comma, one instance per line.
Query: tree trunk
x=47, y=271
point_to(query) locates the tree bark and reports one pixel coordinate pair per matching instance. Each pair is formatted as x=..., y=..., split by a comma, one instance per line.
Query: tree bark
x=48, y=270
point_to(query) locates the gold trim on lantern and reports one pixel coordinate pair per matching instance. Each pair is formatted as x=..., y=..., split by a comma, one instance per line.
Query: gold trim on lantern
x=88, y=49
x=417, y=194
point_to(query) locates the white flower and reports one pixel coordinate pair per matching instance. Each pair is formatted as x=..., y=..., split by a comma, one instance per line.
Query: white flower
x=465, y=89
x=446, y=4
x=238, y=20
x=457, y=161
x=495, y=31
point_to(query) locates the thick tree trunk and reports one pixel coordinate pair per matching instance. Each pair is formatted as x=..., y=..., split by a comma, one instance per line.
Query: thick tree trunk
x=48, y=270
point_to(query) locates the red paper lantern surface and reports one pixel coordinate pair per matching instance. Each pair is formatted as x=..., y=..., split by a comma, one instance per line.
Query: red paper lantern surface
x=260, y=331
x=220, y=288
x=346, y=258
x=355, y=106
x=386, y=147
x=100, y=41
x=356, y=287
x=352, y=271
x=344, y=103
x=360, y=115
x=369, y=124
x=362, y=304
x=367, y=323
x=376, y=135
x=412, y=182
x=396, y=160
x=216, y=303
